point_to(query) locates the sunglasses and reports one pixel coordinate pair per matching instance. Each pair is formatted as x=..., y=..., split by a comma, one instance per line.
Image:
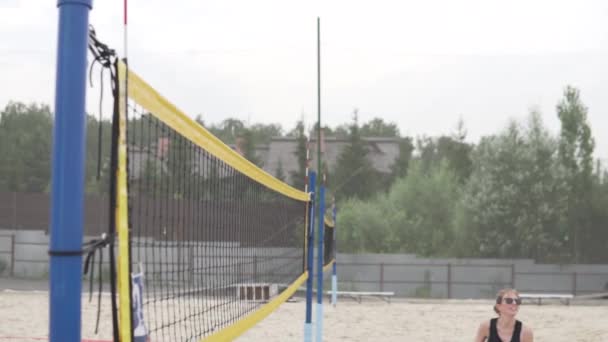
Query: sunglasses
x=508, y=300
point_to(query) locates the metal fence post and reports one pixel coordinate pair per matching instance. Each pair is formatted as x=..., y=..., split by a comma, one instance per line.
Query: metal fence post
x=512, y=276
x=255, y=268
x=12, y=255
x=15, y=211
x=381, y=277
x=574, y=283
x=190, y=265
x=449, y=281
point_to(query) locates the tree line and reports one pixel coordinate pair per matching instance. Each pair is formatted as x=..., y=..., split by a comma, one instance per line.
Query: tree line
x=522, y=192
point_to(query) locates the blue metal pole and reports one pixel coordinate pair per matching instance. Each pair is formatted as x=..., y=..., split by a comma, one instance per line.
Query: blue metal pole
x=321, y=218
x=310, y=260
x=68, y=171
x=334, y=277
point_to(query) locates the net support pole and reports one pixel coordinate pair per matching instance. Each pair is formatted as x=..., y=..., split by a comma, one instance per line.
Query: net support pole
x=334, y=275
x=310, y=259
x=321, y=211
x=67, y=185
x=320, y=254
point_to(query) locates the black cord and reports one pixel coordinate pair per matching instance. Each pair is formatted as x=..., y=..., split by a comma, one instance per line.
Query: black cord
x=113, y=193
x=99, y=291
x=105, y=57
x=90, y=249
x=100, y=132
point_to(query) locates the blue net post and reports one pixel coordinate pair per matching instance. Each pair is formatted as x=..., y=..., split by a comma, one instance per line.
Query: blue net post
x=334, y=275
x=68, y=171
x=321, y=220
x=310, y=259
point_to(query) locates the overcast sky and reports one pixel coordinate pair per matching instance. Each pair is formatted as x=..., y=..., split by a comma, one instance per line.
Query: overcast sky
x=421, y=64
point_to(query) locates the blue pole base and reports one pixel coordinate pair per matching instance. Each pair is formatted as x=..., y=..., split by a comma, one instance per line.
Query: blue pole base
x=307, y=332
x=334, y=290
x=319, y=323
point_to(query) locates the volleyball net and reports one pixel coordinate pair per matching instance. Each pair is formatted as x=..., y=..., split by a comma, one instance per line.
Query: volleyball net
x=208, y=243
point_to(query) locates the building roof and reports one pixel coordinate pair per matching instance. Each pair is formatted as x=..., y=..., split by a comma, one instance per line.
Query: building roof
x=382, y=153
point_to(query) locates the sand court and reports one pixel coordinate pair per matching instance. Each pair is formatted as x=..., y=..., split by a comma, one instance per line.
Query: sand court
x=24, y=317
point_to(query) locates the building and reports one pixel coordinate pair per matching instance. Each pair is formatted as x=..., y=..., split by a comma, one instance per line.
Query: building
x=382, y=153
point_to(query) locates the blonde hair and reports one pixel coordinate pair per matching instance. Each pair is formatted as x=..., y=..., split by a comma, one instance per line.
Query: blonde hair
x=500, y=294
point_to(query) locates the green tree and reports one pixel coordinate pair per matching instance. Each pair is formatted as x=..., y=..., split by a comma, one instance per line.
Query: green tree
x=576, y=146
x=25, y=147
x=458, y=152
x=402, y=162
x=415, y=216
x=513, y=201
x=263, y=133
x=327, y=132
x=180, y=165
x=377, y=127
x=298, y=176
x=97, y=167
x=341, y=131
x=597, y=247
x=354, y=175
x=364, y=226
x=280, y=172
x=153, y=180
x=247, y=143
x=453, y=148
x=423, y=209
x=228, y=130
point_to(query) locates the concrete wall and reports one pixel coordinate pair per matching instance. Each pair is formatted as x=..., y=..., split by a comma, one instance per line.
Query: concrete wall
x=25, y=254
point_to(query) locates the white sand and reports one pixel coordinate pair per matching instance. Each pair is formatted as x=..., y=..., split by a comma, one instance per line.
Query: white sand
x=456, y=321
x=25, y=314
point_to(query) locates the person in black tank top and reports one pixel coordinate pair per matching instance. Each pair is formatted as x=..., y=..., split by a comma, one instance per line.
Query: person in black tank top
x=494, y=332
x=505, y=328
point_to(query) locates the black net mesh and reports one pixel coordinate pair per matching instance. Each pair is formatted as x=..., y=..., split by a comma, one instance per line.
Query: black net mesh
x=213, y=244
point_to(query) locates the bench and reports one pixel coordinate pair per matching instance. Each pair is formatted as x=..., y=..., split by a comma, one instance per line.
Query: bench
x=600, y=295
x=356, y=295
x=256, y=292
x=563, y=297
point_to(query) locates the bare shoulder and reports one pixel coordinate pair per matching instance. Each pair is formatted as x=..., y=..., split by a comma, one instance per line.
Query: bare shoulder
x=483, y=331
x=526, y=334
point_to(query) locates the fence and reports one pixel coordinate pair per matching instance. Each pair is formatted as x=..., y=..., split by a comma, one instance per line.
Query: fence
x=468, y=280
x=7, y=254
x=24, y=222
x=31, y=211
x=24, y=254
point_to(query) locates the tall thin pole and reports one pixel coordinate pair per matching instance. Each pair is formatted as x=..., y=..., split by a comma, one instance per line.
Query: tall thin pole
x=320, y=254
x=125, y=36
x=67, y=187
x=310, y=260
x=319, y=171
x=127, y=330
x=321, y=196
x=334, y=276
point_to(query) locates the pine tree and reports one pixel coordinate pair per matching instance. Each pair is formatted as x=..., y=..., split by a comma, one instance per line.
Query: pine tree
x=298, y=176
x=280, y=172
x=354, y=175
